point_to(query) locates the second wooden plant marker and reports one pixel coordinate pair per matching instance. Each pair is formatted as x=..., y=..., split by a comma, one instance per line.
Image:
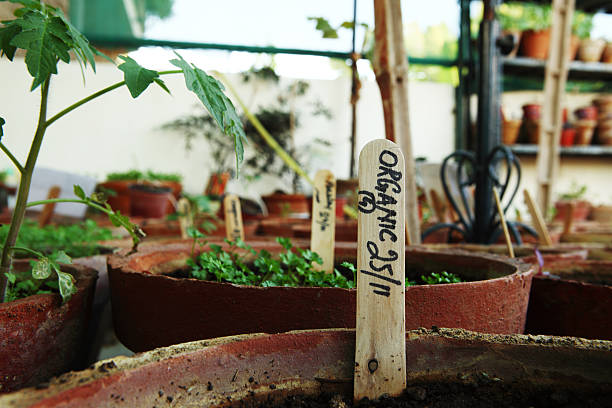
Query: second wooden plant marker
x=380, y=353
x=323, y=228
x=233, y=218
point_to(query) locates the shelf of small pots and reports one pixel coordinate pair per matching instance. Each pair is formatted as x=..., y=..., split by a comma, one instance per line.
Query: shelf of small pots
x=451, y=367
x=171, y=285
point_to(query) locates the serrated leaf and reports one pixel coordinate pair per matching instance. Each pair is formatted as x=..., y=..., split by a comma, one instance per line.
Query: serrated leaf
x=62, y=257
x=81, y=46
x=66, y=285
x=210, y=92
x=137, y=78
x=45, y=40
x=347, y=24
x=7, y=33
x=42, y=269
x=78, y=191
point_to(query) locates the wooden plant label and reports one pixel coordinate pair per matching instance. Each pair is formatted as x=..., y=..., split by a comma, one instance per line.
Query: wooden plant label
x=185, y=218
x=233, y=217
x=504, y=225
x=380, y=352
x=322, y=239
x=537, y=219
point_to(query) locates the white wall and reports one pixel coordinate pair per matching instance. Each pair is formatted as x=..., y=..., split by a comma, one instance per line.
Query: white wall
x=116, y=133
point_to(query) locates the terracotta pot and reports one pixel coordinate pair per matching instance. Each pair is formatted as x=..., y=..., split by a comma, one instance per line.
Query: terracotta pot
x=260, y=368
x=144, y=300
x=121, y=200
x=216, y=184
x=581, y=209
x=40, y=337
x=287, y=205
x=567, y=136
x=603, y=104
x=346, y=230
x=577, y=301
x=532, y=131
x=149, y=201
x=591, y=50
x=588, y=237
x=532, y=112
x=573, y=48
x=601, y=213
x=510, y=131
x=584, y=132
x=535, y=44
x=586, y=112
x=606, y=55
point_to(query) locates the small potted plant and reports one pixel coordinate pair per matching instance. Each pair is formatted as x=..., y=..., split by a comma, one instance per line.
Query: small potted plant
x=42, y=332
x=574, y=197
x=535, y=39
x=582, y=24
x=511, y=22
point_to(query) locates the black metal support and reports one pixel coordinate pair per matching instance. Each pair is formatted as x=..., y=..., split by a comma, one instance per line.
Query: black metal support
x=502, y=170
x=488, y=122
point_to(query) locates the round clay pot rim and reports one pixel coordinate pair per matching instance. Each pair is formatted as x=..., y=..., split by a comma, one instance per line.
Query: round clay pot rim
x=119, y=262
x=83, y=277
x=113, y=372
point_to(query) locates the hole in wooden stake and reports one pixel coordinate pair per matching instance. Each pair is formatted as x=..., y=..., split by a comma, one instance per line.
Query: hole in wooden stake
x=373, y=365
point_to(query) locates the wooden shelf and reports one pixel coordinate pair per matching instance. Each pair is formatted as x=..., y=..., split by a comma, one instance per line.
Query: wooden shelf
x=588, y=150
x=596, y=71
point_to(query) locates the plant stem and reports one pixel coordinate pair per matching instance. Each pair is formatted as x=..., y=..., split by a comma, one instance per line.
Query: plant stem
x=97, y=94
x=13, y=158
x=24, y=190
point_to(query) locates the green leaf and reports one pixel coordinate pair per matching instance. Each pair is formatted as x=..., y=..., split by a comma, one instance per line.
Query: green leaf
x=138, y=78
x=210, y=92
x=78, y=191
x=326, y=29
x=81, y=47
x=2, y=122
x=45, y=40
x=7, y=33
x=66, y=285
x=62, y=257
x=42, y=269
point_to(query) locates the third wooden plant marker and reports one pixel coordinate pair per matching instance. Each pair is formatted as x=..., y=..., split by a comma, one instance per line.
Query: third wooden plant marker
x=380, y=353
x=234, y=228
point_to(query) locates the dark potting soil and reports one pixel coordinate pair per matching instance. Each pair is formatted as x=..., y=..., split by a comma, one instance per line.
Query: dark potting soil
x=487, y=393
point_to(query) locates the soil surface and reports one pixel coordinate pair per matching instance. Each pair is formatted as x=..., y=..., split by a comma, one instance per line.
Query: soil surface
x=484, y=392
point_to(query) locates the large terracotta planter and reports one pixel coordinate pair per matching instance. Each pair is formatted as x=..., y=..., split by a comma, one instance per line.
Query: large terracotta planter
x=575, y=301
x=40, y=337
x=152, y=310
x=245, y=370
